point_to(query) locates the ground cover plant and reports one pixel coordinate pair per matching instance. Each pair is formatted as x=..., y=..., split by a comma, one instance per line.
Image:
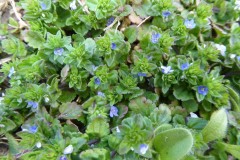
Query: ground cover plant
x=120, y=80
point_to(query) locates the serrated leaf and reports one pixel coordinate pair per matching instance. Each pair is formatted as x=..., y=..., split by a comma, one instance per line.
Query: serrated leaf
x=14, y=147
x=142, y=106
x=99, y=127
x=182, y=93
x=96, y=153
x=6, y=125
x=35, y=39
x=70, y=111
x=14, y=46
x=232, y=149
x=191, y=105
x=90, y=45
x=67, y=96
x=131, y=33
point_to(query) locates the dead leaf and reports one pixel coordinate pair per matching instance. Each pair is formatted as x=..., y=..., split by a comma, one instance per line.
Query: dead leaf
x=134, y=18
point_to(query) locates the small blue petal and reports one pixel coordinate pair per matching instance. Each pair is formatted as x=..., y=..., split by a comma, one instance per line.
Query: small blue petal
x=190, y=24
x=113, y=111
x=113, y=46
x=63, y=158
x=11, y=72
x=155, y=37
x=184, y=66
x=97, y=81
x=143, y=148
x=101, y=94
x=167, y=69
x=43, y=6
x=203, y=90
x=110, y=21
x=149, y=57
x=140, y=74
x=32, y=104
x=238, y=58
x=58, y=51
x=33, y=129
x=165, y=14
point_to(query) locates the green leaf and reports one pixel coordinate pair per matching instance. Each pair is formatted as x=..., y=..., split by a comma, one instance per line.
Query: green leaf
x=14, y=147
x=92, y=4
x=127, y=9
x=124, y=147
x=67, y=96
x=234, y=98
x=216, y=127
x=98, y=127
x=14, y=46
x=35, y=39
x=28, y=140
x=196, y=123
x=232, y=149
x=173, y=143
x=142, y=106
x=182, y=93
x=162, y=128
x=96, y=153
x=13, y=23
x=90, y=45
x=191, y=105
x=131, y=33
x=64, y=72
x=6, y=125
x=70, y=111
x=161, y=115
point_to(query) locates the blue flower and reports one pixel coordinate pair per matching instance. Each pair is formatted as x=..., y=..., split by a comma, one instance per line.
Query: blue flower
x=32, y=104
x=113, y=111
x=143, y=148
x=203, y=90
x=58, y=51
x=33, y=129
x=155, y=37
x=110, y=21
x=101, y=94
x=140, y=74
x=149, y=57
x=73, y=5
x=165, y=14
x=167, y=70
x=190, y=24
x=43, y=6
x=63, y=158
x=117, y=129
x=11, y=72
x=238, y=58
x=184, y=66
x=97, y=81
x=113, y=46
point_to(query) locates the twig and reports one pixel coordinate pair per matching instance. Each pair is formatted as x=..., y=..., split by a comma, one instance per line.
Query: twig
x=117, y=26
x=2, y=61
x=21, y=22
x=85, y=9
x=217, y=27
x=144, y=21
